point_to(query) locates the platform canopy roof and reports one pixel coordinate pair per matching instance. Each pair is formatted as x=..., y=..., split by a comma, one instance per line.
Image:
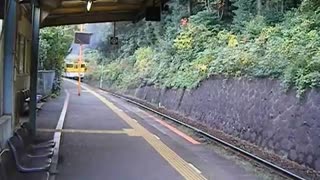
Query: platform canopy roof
x=63, y=12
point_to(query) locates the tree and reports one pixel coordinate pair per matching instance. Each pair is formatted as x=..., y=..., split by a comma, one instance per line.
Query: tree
x=257, y=38
x=54, y=45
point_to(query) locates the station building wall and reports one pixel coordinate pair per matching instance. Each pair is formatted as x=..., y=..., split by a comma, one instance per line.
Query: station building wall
x=22, y=59
x=4, y=121
x=21, y=76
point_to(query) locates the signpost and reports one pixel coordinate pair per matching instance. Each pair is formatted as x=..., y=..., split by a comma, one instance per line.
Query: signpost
x=114, y=40
x=81, y=38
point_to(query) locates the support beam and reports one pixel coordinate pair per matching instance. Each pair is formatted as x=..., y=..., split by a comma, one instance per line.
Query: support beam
x=9, y=59
x=80, y=4
x=44, y=15
x=88, y=18
x=49, y=4
x=67, y=11
x=34, y=64
x=65, y=3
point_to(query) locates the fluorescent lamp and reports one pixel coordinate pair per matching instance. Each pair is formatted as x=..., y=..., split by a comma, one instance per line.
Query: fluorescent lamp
x=89, y=4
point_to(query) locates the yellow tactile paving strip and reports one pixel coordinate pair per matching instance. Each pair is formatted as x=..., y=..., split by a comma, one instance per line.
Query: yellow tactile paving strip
x=129, y=132
x=85, y=131
x=179, y=164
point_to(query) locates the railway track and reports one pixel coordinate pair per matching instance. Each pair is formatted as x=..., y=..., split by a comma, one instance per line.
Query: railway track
x=266, y=163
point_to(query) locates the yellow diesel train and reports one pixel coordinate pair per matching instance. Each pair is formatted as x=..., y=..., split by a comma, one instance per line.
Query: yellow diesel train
x=73, y=71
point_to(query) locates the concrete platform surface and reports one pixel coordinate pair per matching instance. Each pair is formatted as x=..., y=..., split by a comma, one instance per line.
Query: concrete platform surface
x=104, y=137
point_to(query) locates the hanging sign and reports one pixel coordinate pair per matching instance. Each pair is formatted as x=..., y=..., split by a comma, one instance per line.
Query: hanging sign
x=114, y=41
x=82, y=38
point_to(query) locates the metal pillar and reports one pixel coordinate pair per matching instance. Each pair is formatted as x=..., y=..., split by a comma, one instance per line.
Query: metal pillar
x=8, y=66
x=34, y=64
x=79, y=64
x=190, y=7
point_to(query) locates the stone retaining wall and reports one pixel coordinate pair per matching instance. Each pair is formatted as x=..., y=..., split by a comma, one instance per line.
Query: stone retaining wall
x=258, y=111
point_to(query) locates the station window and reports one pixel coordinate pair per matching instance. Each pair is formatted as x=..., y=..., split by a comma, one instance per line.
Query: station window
x=27, y=49
x=1, y=66
x=69, y=65
x=83, y=65
x=21, y=54
x=1, y=27
x=1, y=21
x=1, y=51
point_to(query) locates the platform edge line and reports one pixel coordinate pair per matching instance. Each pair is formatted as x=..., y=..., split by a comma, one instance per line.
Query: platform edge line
x=57, y=137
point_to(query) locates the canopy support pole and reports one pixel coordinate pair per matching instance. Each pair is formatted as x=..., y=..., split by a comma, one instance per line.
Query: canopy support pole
x=34, y=64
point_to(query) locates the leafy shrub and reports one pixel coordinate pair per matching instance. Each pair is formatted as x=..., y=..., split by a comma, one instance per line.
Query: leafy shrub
x=275, y=44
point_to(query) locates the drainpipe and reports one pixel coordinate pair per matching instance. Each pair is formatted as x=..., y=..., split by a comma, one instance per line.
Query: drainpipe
x=34, y=64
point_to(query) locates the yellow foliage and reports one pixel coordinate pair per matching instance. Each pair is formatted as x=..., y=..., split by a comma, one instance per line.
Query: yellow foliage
x=143, y=60
x=202, y=63
x=183, y=41
x=233, y=42
x=202, y=67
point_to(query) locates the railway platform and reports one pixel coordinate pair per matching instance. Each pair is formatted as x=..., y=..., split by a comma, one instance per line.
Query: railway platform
x=102, y=137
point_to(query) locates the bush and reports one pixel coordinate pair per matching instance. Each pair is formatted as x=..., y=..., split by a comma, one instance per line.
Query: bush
x=283, y=46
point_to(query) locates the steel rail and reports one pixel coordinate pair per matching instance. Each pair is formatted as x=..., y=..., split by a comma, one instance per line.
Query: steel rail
x=234, y=148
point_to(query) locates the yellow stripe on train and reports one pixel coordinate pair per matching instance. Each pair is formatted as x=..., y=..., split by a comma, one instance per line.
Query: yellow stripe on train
x=71, y=70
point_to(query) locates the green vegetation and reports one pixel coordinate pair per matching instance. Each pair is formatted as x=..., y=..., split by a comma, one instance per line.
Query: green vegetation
x=53, y=48
x=253, y=38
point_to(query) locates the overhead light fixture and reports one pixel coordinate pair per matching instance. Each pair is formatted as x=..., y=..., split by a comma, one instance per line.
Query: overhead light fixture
x=89, y=4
